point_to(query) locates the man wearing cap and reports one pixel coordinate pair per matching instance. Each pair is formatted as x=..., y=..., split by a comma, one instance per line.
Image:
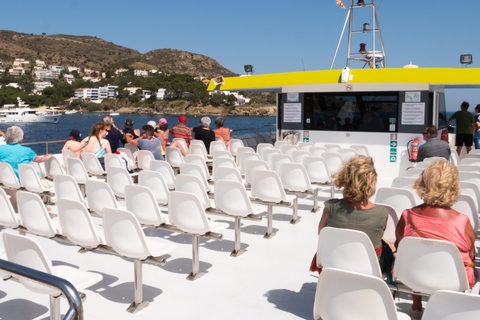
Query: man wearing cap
x=75, y=138
x=114, y=136
x=128, y=128
x=182, y=131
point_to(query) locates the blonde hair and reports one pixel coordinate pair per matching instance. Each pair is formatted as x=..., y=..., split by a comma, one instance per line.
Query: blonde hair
x=358, y=178
x=438, y=184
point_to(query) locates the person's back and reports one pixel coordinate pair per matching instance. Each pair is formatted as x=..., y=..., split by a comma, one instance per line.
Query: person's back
x=154, y=145
x=181, y=130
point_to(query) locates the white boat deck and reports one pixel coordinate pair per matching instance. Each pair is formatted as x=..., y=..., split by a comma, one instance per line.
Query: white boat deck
x=270, y=280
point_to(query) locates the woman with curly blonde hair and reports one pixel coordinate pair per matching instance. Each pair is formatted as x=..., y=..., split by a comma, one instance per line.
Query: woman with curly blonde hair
x=439, y=188
x=357, y=179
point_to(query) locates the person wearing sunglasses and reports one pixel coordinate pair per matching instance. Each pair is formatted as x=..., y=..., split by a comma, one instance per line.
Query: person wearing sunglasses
x=433, y=147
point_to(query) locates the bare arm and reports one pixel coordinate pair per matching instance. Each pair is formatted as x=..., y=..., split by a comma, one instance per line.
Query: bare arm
x=106, y=146
x=471, y=237
x=131, y=140
x=399, y=231
x=80, y=146
x=323, y=221
x=42, y=158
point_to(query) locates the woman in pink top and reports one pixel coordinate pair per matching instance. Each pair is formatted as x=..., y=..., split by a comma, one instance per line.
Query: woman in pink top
x=435, y=219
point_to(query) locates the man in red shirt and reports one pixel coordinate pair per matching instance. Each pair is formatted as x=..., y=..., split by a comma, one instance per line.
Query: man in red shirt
x=182, y=131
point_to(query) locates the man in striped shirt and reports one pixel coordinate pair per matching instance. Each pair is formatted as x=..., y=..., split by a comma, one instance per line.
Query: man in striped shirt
x=182, y=131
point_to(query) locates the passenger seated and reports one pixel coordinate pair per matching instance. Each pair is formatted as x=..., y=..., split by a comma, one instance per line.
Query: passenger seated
x=439, y=188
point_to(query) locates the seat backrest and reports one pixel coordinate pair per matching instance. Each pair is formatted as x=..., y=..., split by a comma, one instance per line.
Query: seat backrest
x=53, y=167
x=198, y=160
x=198, y=149
x=27, y=252
x=431, y=159
x=67, y=188
x=288, y=149
x=392, y=221
x=294, y=177
x=332, y=147
x=454, y=159
x=407, y=183
x=173, y=156
x=165, y=169
x=414, y=172
x=360, y=149
x=334, y=161
x=317, y=151
x=8, y=217
x=117, y=179
x=155, y=182
x=77, y=224
x=131, y=159
x=247, y=156
x=77, y=170
x=231, y=197
x=278, y=159
x=451, y=305
x=305, y=146
x=225, y=173
x=224, y=162
x=468, y=168
x=267, y=186
x=142, y=203
x=470, y=161
x=343, y=294
x=100, y=196
x=195, y=170
x=124, y=234
x=193, y=184
x=218, y=145
x=145, y=157
x=133, y=148
x=473, y=190
x=317, y=169
x=298, y=155
x=251, y=166
x=261, y=147
x=182, y=142
x=186, y=213
x=278, y=144
x=113, y=160
x=267, y=155
x=8, y=177
x=29, y=178
x=428, y=265
x=347, y=153
x=233, y=146
x=469, y=177
x=67, y=153
x=242, y=150
x=34, y=214
x=400, y=199
x=92, y=164
x=221, y=154
x=347, y=249
x=466, y=205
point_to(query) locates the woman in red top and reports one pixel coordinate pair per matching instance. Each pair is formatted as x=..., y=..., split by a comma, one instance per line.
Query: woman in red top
x=222, y=132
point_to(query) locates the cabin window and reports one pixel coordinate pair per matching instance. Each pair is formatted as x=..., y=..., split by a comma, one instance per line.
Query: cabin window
x=442, y=111
x=359, y=111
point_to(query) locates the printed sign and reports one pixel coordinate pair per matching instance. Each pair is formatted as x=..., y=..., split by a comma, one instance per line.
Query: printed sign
x=413, y=113
x=292, y=112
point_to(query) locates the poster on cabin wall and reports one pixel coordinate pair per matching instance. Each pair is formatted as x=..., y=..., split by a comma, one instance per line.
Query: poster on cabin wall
x=292, y=112
x=413, y=113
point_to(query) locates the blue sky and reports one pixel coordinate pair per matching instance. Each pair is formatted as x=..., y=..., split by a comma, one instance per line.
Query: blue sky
x=273, y=36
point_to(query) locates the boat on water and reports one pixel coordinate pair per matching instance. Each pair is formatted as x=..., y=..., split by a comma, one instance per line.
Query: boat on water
x=71, y=111
x=22, y=113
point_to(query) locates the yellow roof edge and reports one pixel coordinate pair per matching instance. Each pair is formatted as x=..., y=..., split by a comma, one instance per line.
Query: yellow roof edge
x=274, y=82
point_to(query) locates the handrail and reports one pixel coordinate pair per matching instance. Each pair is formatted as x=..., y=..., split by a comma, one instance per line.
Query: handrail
x=41, y=142
x=75, y=312
x=266, y=127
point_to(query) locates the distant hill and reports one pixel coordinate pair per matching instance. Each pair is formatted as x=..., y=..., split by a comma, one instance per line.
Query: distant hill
x=95, y=53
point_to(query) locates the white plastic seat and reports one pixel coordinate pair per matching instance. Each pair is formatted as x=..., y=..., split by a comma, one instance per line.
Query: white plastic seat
x=334, y=161
x=466, y=205
x=414, y=172
x=473, y=190
x=468, y=168
x=247, y=156
x=233, y=146
x=317, y=151
x=125, y=235
x=77, y=225
x=240, y=151
x=8, y=217
x=223, y=163
x=155, y=182
x=427, y=265
x=278, y=144
x=268, y=188
x=117, y=179
x=53, y=167
x=232, y=199
x=469, y=177
x=332, y=147
x=27, y=252
x=92, y=164
x=295, y=180
x=454, y=158
x=318, y=172
x=133, y=148
x=142, y=203
x=182, y=142
x=267, y=154
x=193, y=184
x=304, y=145
x=347, y=153
x=407, y=183
x=470, y=161
x=198, y=160
x=225, y=173
x=166, y=171
x=187, y=214
x=132, y=162
x=347, y=249
x=100, y=196
x=174, y=157
x=67, y=188
x=342, y=295
x=144, y=159
x=67, y=153
x=77, y=170
x=451, y=305
x=195, y=170
x=400, y=199
x=261, y=147
x=298, y=155
x=34, y=215
x=30, y=180
x=278, y=160
x=361, y=150
x=221, y=154
x=113, y=160
x=431, y=159
x=288, y=149
x=8, y=177
x=198, y=149
x=251, y=166
x=392, y=221
x=217, y=145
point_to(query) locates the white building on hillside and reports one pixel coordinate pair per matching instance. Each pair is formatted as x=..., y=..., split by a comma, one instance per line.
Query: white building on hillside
x=240, y=98
x=161, y=94
x=47, y=74
x=18, y=71
x=68, y=78
x=20, y=62
x=56, y=68
x=140, y=73
x=13, y=85
x=71, y=69
x=97, y=94
x=40, y=63
x=39, y=86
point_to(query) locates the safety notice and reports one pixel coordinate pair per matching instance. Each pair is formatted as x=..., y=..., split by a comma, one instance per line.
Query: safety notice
x=413, y=113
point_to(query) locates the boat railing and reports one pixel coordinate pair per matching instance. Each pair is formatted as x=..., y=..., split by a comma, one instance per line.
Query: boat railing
x=47, y=143
x=268, y=128
x=75, y=312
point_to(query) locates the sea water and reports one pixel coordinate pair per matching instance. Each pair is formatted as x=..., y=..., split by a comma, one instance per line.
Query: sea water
x=36, y=132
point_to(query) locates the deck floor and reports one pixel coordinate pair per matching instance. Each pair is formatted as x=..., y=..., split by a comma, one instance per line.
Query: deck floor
x=269, y=281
